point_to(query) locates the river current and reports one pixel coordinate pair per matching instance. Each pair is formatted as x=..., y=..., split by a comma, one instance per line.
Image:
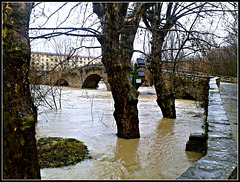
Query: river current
x=87, y=115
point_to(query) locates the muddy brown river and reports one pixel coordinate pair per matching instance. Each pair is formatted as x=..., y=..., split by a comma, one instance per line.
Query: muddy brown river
x=87, y=115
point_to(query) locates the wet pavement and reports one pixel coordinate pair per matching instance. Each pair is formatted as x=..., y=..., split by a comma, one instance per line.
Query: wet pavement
x=229, y=96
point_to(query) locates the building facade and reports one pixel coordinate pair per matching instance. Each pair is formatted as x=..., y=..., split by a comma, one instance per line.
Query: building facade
x=44, y=61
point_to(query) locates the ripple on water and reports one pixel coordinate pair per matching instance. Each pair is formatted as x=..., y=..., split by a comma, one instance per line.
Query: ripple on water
x=158, y=154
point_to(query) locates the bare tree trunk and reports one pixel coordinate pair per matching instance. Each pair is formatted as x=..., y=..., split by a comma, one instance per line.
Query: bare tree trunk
x=118, y=33
x=125, y=102
x=117, y=63
x=20, y=160
x=119, y=28
x=165, y=97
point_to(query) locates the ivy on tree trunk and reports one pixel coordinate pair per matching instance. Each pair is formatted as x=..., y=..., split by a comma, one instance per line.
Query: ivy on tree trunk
x=20, y=160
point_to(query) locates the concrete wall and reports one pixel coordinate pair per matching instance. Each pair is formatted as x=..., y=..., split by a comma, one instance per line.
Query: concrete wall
x=221, y=161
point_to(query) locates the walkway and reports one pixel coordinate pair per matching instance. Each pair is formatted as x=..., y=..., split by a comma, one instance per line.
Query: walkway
x=220, y=162
x=229, y=96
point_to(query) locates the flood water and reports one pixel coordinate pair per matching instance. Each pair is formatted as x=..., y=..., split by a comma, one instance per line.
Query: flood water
x=87, y=115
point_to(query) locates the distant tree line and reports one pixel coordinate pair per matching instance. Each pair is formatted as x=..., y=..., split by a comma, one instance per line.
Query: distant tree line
x=221, y=61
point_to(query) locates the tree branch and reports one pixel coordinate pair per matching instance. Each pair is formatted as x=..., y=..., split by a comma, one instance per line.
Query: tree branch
x=95, y=33
x=54, y=13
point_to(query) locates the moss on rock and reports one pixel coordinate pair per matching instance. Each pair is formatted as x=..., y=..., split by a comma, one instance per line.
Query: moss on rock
x=58, y=152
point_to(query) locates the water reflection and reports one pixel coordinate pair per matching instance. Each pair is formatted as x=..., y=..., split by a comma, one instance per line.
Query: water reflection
x=193, y=156
x=127, y=153
x=165, y=127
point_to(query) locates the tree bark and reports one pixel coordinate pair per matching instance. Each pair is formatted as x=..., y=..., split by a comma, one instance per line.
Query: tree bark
x=117, y=63
x=125, y=102
x=20, y=160
x=165, y=97
x=118, y=33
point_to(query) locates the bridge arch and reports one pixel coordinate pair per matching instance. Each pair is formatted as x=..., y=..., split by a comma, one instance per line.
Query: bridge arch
x=62, y=82
x=91, y=81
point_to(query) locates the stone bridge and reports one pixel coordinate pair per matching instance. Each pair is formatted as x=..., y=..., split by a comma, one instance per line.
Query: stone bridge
x=84, y=77
x=187, y=85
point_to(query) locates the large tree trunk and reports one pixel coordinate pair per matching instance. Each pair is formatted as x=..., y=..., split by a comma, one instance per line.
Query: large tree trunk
x=118, y=34
x=117, y=63
x=125, y=101
x=20, y=160
x=165, y=97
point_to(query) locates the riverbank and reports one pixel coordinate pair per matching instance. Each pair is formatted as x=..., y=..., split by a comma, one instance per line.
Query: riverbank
x=221, y=161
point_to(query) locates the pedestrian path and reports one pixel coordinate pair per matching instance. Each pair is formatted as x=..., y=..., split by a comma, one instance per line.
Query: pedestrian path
x=220, y=161
x=229, y=96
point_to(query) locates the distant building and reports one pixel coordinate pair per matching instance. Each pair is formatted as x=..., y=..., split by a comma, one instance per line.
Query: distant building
x=45, y=61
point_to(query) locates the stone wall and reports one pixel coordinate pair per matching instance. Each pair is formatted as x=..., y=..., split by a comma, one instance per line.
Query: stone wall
x=221, y=161
x=187, y=86
x=228, y=79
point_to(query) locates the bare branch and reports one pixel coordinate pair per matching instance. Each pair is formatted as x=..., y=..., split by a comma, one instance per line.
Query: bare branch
x=54, y=13
x=55, y=34
x=68, y=14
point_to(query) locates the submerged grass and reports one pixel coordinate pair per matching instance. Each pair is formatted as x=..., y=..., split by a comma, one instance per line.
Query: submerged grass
x=60, y=152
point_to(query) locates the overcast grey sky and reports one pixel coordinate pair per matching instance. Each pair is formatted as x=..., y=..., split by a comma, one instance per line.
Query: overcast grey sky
x=81, y=16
